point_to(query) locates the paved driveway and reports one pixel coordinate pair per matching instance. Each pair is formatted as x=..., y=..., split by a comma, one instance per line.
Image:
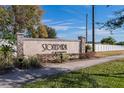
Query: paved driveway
x=17, y=77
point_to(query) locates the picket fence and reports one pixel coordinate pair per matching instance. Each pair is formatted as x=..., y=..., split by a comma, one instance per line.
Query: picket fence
x=102, y=47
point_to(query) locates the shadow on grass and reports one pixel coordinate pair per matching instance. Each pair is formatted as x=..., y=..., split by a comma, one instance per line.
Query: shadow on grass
x=116, y=75
x=76, y=80
x=85, y=80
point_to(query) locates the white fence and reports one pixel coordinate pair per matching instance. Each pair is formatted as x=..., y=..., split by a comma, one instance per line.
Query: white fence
x=101, y=47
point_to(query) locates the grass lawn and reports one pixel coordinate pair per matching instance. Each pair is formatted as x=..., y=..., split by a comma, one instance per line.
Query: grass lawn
x=107, y=75
x=108, y=53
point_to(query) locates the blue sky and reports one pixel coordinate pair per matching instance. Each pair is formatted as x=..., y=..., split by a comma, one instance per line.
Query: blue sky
x=69, y=21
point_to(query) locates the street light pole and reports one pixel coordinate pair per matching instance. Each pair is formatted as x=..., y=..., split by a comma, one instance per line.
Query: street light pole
x=93, y=30
x=86, y=28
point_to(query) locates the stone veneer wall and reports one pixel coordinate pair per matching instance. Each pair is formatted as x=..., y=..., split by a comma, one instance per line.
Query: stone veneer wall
x=20, y=37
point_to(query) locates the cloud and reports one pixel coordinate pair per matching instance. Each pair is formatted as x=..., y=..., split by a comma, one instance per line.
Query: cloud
x=65, y=23
x=81, y=27
x=58, y=21
x=73, y=34
x=62, y=22
x=46, y=20
x=63, y=36
x=110, y=16
x=57, y=27
x=101, y=32
x=78, y=33
x=67, y=27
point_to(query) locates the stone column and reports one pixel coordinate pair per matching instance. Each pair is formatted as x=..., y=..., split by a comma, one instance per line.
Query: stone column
x=81, y=45
x=20, y=37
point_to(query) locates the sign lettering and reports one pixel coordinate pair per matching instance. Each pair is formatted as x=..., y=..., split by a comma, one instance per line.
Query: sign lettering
x=54, y=47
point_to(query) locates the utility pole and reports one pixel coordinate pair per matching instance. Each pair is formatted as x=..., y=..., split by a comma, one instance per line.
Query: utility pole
x=86, y=28
x=93, y=30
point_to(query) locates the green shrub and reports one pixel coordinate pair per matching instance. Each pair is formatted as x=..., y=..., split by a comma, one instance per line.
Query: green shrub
x=22, y=63
x=65, y=57
x=6, y=49
x=6, y=63
x=25, y=63
x=34, y=62
x=57, y=58
x=87, y=48
x=61, y=57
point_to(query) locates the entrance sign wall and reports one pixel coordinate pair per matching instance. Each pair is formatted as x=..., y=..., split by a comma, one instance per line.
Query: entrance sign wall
x=34, y=46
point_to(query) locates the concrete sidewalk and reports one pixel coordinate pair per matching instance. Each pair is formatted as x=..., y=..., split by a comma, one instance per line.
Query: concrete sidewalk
x=17, y=77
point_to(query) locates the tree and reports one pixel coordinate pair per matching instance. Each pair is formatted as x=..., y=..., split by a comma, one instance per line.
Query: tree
x=42, y=32
x=25, y=17
x=20, y=18
x=108, y=40
x=15, y=19
x=5, y=20
x=5, y=25
x=7, y=37
x=114, y=23
x=120, y=43
x=51, y=32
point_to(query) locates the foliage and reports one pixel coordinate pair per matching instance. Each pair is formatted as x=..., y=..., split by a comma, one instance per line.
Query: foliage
x=6, y=63
x=13, y=19
x=9, y=38
x=120, y=43
x=107, y=75
x=61, y=57
x=26, y=63
x=34, y=62
x=26, y=17
x=114, y=23
x=6, y=49
x=51, y=32
x=21, y=63
x=5, y=19
x=19, y=18
x=6, y=24
x=42, y=32
x=66, y=57
x=87, y=48
x=108, y=40
x=6, y=57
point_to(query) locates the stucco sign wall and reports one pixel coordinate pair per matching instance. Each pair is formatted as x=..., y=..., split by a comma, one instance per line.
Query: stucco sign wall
x=34, y=46
x=46, y=46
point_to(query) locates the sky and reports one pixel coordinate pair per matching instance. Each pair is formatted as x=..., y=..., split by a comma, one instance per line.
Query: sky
x=69, y=21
